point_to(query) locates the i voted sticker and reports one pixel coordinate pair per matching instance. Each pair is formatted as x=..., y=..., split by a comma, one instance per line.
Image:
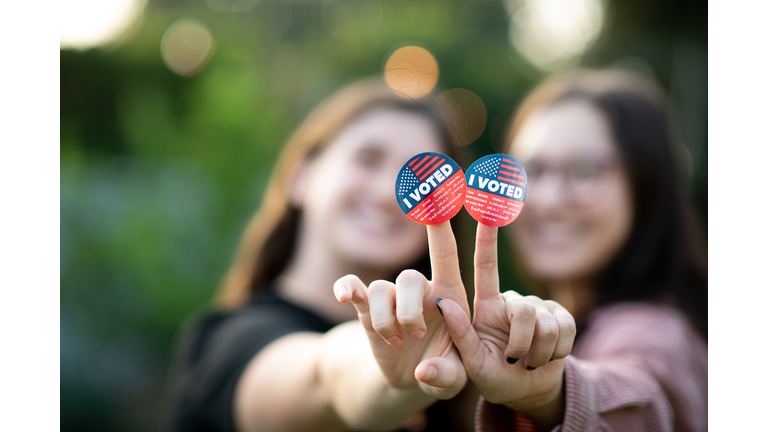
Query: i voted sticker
x=430, y=188
x=496, y=189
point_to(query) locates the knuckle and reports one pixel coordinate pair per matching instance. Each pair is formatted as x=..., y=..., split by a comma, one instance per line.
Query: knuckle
x=525, y=311
x=561, y=352
x=409, y=320
x=464, y=332
x=487, y=264
x=409, y=277
x=383, y=326
x=443, y=253
x=350, y=278
x=519, y=347
x=378, y=287
x=567, y=328
x=548, y=331
x=533, y=298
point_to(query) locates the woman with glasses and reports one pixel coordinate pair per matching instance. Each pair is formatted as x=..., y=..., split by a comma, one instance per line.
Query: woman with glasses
x=609, y=235
x=608, y=231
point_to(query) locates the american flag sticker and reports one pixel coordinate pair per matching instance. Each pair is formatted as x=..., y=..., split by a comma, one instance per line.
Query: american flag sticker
x=430, y=188
x=496, y=189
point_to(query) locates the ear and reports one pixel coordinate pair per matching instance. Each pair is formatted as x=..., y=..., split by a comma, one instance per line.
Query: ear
x=298, y=184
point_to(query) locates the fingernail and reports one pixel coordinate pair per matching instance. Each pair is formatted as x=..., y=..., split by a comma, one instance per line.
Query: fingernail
x=393, y=341
x=530, y=368
x=438, y=305
x=511, y=360
x=341, y=291
x=430, y=373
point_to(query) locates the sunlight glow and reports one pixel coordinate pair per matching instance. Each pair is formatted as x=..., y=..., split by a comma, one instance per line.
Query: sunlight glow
x=553, y=34
x=91, y=23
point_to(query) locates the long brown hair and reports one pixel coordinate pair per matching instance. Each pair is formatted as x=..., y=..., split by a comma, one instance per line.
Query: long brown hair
x=665, y=257
x=269, y=240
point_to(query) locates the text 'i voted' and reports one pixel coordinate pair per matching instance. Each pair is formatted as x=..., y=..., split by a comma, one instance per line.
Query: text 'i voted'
x=430, y=188
x=496, y=189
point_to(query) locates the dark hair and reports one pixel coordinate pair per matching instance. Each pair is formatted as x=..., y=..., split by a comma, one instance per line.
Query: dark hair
x=270, y=238
x=665, y=257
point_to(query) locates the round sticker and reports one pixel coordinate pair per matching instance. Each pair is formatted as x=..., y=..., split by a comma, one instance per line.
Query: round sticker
x=430, y=188
x=496, y=189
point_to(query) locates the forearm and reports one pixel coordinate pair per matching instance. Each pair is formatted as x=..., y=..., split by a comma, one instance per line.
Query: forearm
x=354, y=385
x=545, y=411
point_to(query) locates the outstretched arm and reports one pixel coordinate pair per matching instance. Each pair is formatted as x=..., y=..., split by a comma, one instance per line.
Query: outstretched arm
x=308, y=381
x=372, y=374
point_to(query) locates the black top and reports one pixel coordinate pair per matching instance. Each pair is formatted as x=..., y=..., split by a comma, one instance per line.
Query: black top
x=215, y=352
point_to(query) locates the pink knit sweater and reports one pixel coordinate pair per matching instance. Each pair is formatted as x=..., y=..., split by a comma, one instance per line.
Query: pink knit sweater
x=638, y=367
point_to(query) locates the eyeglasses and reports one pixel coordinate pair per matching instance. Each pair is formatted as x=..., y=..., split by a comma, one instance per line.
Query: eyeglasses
x=585, y=179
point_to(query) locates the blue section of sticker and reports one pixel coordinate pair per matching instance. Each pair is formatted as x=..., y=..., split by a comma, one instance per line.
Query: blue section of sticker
x=422, y=176
x=500, y=175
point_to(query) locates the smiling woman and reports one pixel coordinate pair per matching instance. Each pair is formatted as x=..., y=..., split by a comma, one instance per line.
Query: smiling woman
x=609, y=233
x=275, y=356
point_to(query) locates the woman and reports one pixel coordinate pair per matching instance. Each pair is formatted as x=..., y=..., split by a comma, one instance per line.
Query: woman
x=277, y=356
x=608, y=234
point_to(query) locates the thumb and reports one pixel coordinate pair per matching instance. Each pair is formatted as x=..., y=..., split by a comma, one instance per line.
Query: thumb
x=441, y=377
x=460, y=328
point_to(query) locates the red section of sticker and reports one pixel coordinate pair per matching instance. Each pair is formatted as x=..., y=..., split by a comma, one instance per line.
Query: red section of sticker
x=430, y=188
x=490, y=209
x=443, y=203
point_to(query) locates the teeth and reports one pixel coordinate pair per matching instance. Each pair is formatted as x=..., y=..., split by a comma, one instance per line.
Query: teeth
x=557, y=232
x=555, y=229
x=374, y=218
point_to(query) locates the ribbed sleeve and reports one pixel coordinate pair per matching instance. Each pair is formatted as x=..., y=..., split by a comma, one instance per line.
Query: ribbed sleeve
x=640, y=368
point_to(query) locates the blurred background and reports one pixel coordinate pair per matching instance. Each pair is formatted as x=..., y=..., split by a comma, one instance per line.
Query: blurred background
x=173, y=111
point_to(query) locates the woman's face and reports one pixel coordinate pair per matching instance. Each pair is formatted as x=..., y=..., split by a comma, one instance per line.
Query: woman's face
x=348, y=199
x=579, y=207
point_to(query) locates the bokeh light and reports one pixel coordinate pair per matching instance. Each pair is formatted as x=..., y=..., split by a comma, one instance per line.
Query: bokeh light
x=90, y=23
x=553, y=34
x=465, y=114
x=411, y=72
x=187, y=46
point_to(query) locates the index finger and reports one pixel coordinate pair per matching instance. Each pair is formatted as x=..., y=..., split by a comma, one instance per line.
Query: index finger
x=486, y=262
x=444, y=255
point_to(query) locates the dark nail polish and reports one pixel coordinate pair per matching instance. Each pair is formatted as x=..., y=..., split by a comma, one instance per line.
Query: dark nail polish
x=438, y=305
x=530, y=368
x=511, y=360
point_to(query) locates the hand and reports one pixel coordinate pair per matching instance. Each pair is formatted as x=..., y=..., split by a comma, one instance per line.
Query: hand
x=513, y=349
x=408, y=337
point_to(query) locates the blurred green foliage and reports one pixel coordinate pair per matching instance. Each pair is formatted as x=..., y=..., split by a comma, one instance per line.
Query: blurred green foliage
x=160, y=173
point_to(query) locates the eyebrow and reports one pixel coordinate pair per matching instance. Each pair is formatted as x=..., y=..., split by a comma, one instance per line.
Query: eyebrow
x=375, y=147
